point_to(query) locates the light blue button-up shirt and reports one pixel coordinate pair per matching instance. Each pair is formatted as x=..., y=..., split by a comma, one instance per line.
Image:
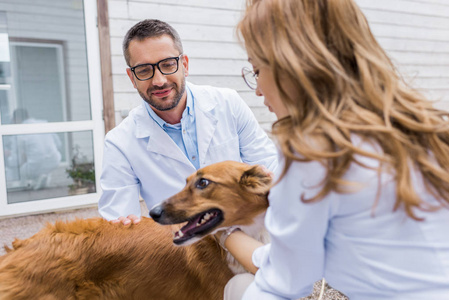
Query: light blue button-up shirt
x=183, y=133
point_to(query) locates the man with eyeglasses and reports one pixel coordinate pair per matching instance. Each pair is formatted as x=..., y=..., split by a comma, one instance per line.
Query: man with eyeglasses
x=179, y=128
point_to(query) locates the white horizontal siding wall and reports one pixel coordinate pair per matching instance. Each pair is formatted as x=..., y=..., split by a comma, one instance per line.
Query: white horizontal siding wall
x=207, y=29
x=414, y=33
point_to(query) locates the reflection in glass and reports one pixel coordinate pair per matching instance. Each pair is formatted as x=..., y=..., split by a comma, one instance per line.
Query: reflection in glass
x=46, y=70
x=82, y=172
x=49, y=165
x=5, y=69
x=5, y=73
x=39, y=80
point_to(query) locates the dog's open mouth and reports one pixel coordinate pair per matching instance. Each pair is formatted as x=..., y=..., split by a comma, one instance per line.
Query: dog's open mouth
x=200, y=224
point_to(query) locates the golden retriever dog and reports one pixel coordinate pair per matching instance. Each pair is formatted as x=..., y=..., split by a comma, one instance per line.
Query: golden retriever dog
x=96, y=259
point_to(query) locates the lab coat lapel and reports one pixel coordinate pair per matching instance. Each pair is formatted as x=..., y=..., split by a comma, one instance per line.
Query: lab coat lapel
x=158, y=140
x=206, y=122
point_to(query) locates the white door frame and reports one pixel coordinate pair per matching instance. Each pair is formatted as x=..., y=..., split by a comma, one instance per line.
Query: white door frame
x=96, y=125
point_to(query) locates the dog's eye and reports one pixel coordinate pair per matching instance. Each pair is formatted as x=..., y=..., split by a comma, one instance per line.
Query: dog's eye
x=202, y=183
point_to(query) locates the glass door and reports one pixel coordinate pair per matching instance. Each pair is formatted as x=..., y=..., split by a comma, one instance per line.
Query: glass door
x=51, y=129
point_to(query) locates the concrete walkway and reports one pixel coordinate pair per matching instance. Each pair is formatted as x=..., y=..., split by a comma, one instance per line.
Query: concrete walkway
x=24, y=227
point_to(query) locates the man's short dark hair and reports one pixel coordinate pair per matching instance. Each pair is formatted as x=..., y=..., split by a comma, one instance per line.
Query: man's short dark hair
x=147, y=29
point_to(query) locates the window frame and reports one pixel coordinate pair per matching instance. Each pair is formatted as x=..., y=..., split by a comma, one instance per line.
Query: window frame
x=59, y=47
x=96, y=125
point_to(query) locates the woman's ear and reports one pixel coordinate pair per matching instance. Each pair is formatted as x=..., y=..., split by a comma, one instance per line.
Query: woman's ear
x=257, y=179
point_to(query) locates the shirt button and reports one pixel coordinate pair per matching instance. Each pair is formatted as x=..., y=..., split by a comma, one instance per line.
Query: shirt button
x=184, y=131
x=194, y=157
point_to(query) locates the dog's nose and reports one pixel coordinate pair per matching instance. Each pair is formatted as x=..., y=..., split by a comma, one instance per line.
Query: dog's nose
x=156, y=212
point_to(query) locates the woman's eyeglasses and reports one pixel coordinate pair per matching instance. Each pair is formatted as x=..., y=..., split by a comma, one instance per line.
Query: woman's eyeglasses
x=250, y=78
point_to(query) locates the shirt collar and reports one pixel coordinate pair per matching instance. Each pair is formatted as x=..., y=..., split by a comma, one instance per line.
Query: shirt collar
x=189, y=105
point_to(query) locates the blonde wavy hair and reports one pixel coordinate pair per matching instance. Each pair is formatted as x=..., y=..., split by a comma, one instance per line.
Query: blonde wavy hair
x=346, y=85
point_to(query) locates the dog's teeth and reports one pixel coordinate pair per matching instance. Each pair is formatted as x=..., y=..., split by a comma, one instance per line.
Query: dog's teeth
x=205, y=218
x=179, y=234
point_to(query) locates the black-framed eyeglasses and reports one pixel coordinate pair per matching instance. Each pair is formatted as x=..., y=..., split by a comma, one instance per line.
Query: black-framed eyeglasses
x=166, y=66
x=250, y=77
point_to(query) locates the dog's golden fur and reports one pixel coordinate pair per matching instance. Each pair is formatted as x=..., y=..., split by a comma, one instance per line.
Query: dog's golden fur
x=95, y=259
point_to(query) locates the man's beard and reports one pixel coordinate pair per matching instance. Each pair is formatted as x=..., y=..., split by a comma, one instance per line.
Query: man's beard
x=167, y=104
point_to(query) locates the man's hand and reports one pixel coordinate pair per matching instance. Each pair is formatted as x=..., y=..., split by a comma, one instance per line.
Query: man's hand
x=131, y=219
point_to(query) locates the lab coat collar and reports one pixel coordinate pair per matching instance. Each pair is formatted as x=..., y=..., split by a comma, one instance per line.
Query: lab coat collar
x=206, y=122
x=158, y=140
x=144, y=123
x=206, y=102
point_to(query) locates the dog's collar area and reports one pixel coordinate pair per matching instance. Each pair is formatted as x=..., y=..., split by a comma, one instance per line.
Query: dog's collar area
x=201, y=224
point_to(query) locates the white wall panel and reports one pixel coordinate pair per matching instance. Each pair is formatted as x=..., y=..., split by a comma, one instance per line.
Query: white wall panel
x=207, y=29
x=190, y=15
x=227, y=5
x=415, y=34
x=426, y=8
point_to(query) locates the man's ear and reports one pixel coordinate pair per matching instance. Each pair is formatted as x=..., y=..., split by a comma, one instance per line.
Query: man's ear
x=131, y=77
x=185, y=63
x=257, y=179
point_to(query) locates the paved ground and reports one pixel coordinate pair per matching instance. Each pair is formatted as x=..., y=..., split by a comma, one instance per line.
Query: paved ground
x=24, y=227
x=326, y=293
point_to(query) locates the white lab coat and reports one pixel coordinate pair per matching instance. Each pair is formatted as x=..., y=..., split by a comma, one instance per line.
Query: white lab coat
x=139, y=157
x=357, y=241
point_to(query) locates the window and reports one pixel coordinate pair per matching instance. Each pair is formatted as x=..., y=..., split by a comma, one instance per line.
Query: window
x=51, y=130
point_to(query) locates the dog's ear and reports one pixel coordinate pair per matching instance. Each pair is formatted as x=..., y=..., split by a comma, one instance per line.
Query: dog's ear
x=257, y=179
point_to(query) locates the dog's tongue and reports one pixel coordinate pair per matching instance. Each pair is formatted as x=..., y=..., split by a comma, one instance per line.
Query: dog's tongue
x=190, y=226
x=198, y=224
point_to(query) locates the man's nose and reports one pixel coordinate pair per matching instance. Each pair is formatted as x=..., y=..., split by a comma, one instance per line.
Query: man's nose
x=159, y=79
